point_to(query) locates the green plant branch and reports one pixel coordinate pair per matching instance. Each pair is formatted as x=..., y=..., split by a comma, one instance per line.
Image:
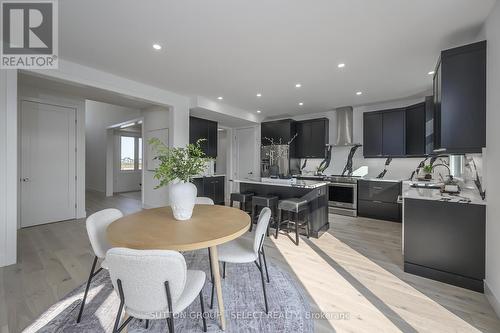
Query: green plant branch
x=178, y=164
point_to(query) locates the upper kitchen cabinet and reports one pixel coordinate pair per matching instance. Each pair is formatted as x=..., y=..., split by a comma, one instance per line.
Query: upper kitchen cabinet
x=384, y=133
x=204, y=129
x=415, y=129
x=393, y=137
x=398, y=132
x=312, y=138
x=372, y=134
x=460, y=99
x=280, y=131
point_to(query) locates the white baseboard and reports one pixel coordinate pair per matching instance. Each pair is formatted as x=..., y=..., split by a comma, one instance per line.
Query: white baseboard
x=492, y=298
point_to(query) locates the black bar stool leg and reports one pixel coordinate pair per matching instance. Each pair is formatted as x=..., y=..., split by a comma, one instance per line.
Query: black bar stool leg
x=253, y=218
x=278, y=223
x=297, y=229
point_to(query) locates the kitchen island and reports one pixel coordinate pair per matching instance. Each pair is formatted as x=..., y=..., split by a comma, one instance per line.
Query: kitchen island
x=316, y=191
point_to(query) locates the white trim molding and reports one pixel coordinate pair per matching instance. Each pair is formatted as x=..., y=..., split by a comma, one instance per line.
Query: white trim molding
x=492, y=298
x=8, y=167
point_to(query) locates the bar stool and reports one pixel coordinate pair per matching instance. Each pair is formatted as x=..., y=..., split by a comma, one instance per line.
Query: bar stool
x=270, y=201
x=293, y=206
x=242, y=198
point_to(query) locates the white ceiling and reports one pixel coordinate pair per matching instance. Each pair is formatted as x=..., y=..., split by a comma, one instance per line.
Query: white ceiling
x=236, y=48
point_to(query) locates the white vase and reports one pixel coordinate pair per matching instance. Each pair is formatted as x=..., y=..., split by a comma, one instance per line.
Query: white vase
x=182, y=199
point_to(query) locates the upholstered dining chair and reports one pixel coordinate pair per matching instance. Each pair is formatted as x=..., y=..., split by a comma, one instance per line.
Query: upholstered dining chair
x=204, y=201
x=153, y=284
x=244, y=250
x=96, y=225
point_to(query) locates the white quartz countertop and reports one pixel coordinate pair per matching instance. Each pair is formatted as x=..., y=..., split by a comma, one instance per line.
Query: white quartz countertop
x=214, y=175
x=310, y=184
x=466, y=196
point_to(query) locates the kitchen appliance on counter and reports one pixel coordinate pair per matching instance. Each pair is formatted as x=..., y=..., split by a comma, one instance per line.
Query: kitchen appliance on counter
x=343, y=195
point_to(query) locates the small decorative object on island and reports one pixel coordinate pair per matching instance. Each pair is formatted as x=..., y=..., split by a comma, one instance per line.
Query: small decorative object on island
x=278, y=155
x=428, y=172
x=177, y=167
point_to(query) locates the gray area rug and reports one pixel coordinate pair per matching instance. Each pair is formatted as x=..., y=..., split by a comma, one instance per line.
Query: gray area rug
x=243, y=302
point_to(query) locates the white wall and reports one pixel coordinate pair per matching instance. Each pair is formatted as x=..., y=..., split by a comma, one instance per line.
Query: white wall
x=222, y=147
x=99, y=116
x=50, y=96
x=492, y=283
x=8, y=167
x=155, y=118
x=400, y=168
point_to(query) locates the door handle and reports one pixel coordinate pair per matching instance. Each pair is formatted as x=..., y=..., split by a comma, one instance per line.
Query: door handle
x=26, y=179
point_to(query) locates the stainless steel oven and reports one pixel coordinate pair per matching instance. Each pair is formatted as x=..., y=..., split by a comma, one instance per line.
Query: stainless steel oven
x=343, y=198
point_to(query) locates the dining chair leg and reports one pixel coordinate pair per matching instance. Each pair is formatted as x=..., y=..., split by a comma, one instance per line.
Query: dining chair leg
x=120, y=307
x=203, y=313
x=147, y=323
x=263, y=283
x=170, y=313
x=231, y=203
x=265, y=264
x=224, y=270
x=94, y=263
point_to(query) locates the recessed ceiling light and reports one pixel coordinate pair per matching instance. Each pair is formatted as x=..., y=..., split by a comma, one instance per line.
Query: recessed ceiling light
x=342, y=65
x=298, y=85
x=157, y=47
x=431, y=73
x=259, y=95
x=220, y=98
x=301, y=103
x=359, y=93
x=258, y=111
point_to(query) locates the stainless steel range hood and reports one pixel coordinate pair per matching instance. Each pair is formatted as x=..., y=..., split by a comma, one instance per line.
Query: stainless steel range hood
x=344, y=127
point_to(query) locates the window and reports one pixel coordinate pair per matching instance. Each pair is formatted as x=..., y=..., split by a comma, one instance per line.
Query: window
x=130, y=153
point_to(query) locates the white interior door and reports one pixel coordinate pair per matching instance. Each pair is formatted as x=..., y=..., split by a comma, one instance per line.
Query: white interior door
x=245, y=153
x=48, y=153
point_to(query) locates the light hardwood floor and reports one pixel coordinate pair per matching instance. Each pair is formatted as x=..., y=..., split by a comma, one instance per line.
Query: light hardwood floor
x=353, y=274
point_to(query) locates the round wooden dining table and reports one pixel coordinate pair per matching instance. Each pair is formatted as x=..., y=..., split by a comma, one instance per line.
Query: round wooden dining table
x=157, y=228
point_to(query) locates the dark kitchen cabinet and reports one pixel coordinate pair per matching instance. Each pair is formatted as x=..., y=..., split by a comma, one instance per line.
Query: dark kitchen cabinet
x=393, y=133
x=379, y=200
x=460, y=99
x=372, y=134
x=211, y=187
x=277, y=131
x=398, y=132
x=312, y=138
x=415, y=129
x=445, y=241
x=204, y=129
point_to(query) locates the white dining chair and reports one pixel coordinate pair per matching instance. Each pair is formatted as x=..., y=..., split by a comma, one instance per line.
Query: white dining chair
x=244, y=250
x=153, y=284
x=204, y=201
x=96, y=225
